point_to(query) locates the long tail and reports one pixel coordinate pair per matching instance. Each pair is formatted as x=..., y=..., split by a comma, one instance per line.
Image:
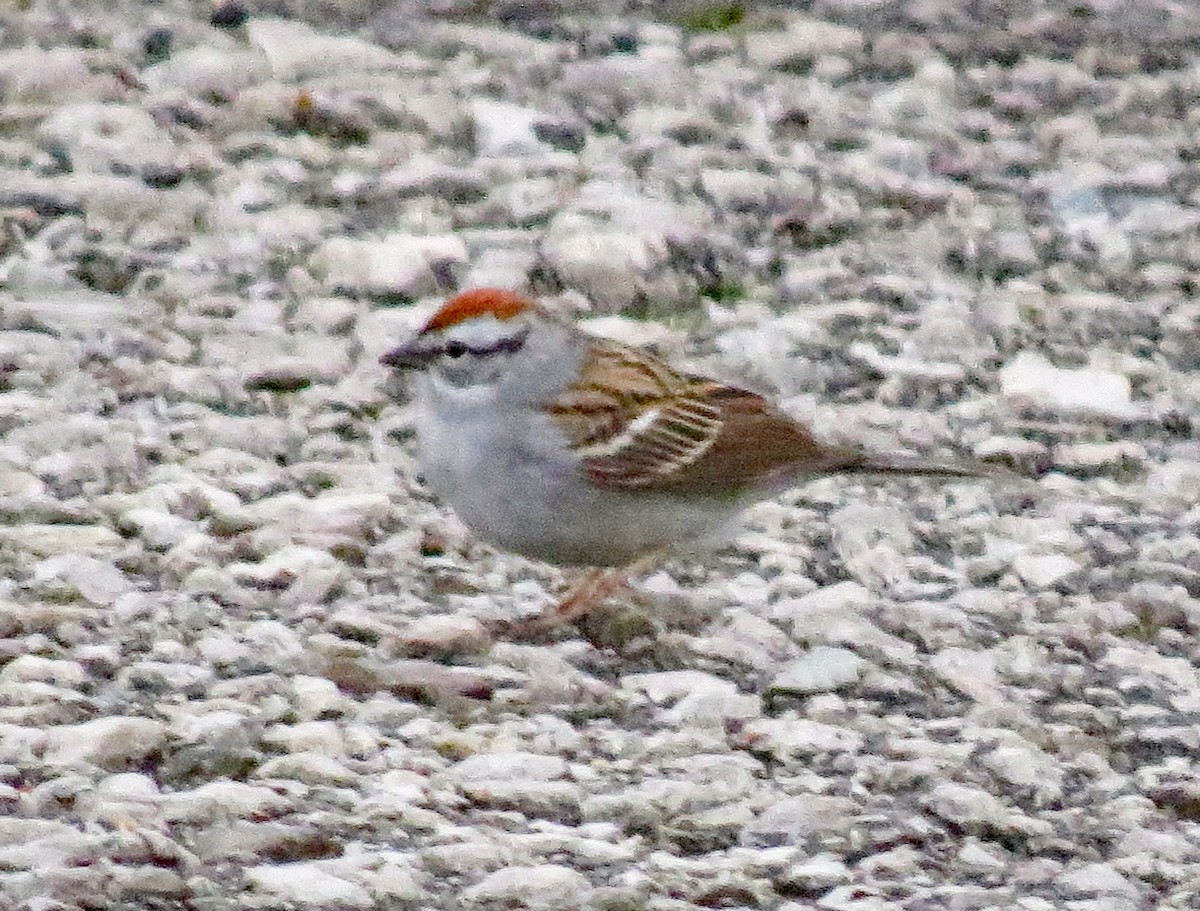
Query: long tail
x=914, y=466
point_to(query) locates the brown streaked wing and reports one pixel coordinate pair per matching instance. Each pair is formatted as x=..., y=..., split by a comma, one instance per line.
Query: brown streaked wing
x=670, y=431
x=757, y=446
x=632, y=419
x=664, y=442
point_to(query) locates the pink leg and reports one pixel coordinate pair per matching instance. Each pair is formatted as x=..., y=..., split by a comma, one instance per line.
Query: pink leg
x=597, y=586
x=585, y=594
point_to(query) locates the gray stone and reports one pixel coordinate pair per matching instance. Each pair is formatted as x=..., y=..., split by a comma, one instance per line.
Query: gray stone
x=114, y=742
x=798, y=820
x=979, y=811
x=51, y=540
x=1030, y=378
x=821, y=669
x=295, y=50
x=307, y=884
x=555, y=800
x=1041, y=571
x=30, y=668
x=788, y=737
x=503, y=129
x=816, y=874
x=297, y=574
x=103, y=136
x=166, y=677
x=833, y=615
x=804, y=39
x=741, y=191
x=515, y=766
x=1125, y=455
x=218, y=800
x=398, y=264
x=1096, y=879
x=1025, y=766
x=542, y=886
x=390, y=878
x=309, y=768
x=666, y=687
x=610, y=267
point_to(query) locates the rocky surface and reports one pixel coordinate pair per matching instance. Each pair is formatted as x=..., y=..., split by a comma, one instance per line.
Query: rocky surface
x=242, y=655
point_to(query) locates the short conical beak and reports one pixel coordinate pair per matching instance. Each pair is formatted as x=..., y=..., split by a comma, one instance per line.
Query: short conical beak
x=409, y=356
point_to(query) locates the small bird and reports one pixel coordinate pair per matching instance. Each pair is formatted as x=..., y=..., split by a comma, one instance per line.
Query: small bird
x=581, y=451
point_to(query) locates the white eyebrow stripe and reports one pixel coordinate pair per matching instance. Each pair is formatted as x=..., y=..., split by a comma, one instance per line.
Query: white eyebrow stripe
x=480, y=334
x=508, y=344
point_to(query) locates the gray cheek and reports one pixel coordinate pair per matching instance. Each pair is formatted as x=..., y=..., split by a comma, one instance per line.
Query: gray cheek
x=548, y=362
x=458, y=374
x=460, y=390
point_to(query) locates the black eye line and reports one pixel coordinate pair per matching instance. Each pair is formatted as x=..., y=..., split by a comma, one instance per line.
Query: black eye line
x=508, y=345
x=513, y=343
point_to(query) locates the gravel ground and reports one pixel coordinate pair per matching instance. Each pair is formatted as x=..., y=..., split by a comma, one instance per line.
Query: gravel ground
x=241, y=654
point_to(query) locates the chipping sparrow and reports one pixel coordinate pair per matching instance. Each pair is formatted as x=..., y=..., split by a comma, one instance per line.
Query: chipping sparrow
x=580, y=451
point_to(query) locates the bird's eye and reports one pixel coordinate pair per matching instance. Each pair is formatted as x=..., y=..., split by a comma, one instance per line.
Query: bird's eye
x=455, y=349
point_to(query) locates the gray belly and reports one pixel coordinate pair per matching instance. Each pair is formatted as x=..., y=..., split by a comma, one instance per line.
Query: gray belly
x=533, y=501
